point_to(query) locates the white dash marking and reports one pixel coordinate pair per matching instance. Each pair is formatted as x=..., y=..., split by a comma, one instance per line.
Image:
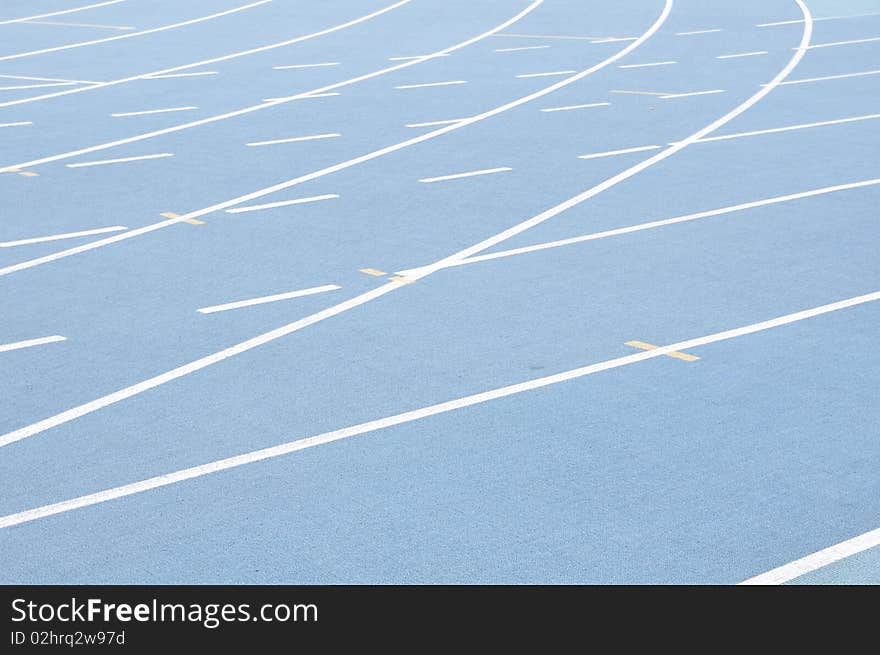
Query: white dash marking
x=47, y=79
x=411, y=57
x=433, y=123
x=283, y=203
x=570, y=107
x=35, y=86
x=828, y=77
x=525, y=47
x=688, y=95
x=59, y=13
x=19, y=124
x=171, y=75
x=697, y=32
x=124, y=28
x=296, y=66
x=302, y=97
x=742, y=54
x=420, y=86
x=5, y=347
x=67, y=235
x=611, y=153
x=152, y=111
x=293, y=139
x=267, y=299
x=119, y=161
x=655, y=63
x=549, y=74
x=457, y=176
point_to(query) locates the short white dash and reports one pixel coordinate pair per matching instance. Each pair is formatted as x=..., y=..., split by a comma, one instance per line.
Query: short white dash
x=295, y=66
x=610, y=153
x=525, y=47
x=283, y=203
x=267, y=299
x=549, y=74
x=152, y=111
x=697, y=32
x=119, y=161
x=615, y=39
x=693, y=93
x=293, y=139
x=457, y=176
x=411, y=57
x=4, y=347
x=419, y=86
x=656, y=63
x=35, y=86
x=19, y=124
x=67, y=235
x=570, y=107
x=433, y=123
x=170, y=75
x=742, y=54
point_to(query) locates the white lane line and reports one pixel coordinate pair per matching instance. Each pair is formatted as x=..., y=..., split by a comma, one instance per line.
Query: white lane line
x=616, y=39
x=119, y=161
x=214, y=60
x=419, y=86
x=39, y=261
x=662, y=223
x=172, y=75
x=610, y=182
x=67, y=235
x=549, y=74
x=274, y=101
x=830, y=77
x=697, y=32
x=303, y=96
x=146, y=112
x=433, y=123
x=297, y=66
x=570, y=107
x=525, y=47
x=18, y=124
x=35, y=86
x=124, y=28
x=283, y=203
x=788, y=128
x=610, y=153
x=293, y=139
x=5, y=347
x=743, y=54
x=59, y=13
x=801, y=20
x=46, y=79
x=693, y=93
x=458, y=176
x=836, y=43
x=266, y=299
x=288, y=447
x=411, y=57
x=655, y=63
x=134, y=34
x=817, y=560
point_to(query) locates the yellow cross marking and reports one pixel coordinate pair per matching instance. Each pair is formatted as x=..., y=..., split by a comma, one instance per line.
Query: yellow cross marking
x=191, y=221
x=650, y=346
x=373, y=271
x=400, y=278
x=29, y=174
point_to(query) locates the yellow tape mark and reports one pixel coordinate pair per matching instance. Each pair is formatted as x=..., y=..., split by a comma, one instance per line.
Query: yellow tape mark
x=29, y=174
x=649, y=346
x=373, y=271
x=400, y=278
x=191, y=221
x=11, y=169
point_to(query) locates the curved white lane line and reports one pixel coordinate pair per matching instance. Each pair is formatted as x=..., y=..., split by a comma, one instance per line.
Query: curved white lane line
x=633, y=170
x=133, y=34
x=214, y=60
x=59, y=13
x=272, y=102
x=237, y=349
x=837, y=552
x=816, y=561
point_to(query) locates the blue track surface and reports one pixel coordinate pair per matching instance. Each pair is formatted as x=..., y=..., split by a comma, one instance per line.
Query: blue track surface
x=655, y=470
